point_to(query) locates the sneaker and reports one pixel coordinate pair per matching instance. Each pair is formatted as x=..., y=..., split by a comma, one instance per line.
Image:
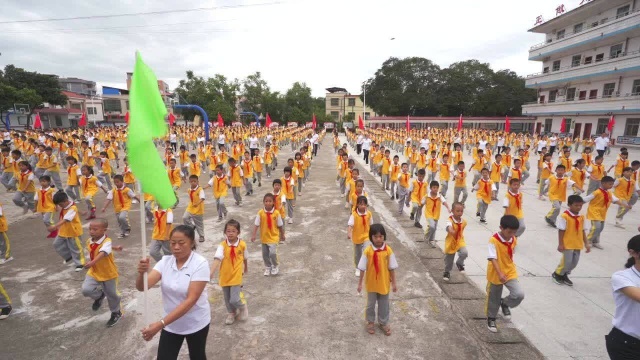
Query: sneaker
x=259, y=184
x=432, y=243
x=121, y=236
x=391, y=197
x=79, y=268
x=247, y=193
x=357, y=273
x=556, y=278
x=290, y=221
x=549, y=222
x=597, y=246
x=115, y=317
x=67, y=262
x=97, y=303
x=418, y=225
x=243, y=314
x=397, y=197
x=460, y=268
x=267, y=271
x=231, y=318
x=412, y=216
x=254, y=180
x=491, y=325
x=5, y=312
x=4, y=261
x=484, y=221
x=201, y=239
x=275, y=270
x=619, y=223
x=219, y=218
x=127, y=233
x=477, y=214
x=446, y=276
x=506, y=313
x=566, y=281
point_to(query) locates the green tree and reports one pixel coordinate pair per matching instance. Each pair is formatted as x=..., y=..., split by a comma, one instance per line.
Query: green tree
x=215, y=95
x=299, y=103
x=255, y=92
x=462, y=86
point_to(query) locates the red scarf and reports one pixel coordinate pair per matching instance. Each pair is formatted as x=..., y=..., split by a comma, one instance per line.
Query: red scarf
x=120, y=197
x=92, y=246
x=419, y=188
x=559, y=182
x=68, y=170
x=581, y=175
x=487, y=186
x=509, y=245
x=519, y=173
x=287, y=183
x=246, y=165
x=191, y=191
x=575, y=218
x=159, y=214
x=376, y=264
x=459, y=231
x=433, y=163
x=628, y=186
x=406, y=178
x=435, y=203
x=269, y=220
x=171, y=174
x=232, y=253
x=219, y=182
x=517, y=198
x=364, y=218
x=44, y=193
x=86, y=182
x=605, y=195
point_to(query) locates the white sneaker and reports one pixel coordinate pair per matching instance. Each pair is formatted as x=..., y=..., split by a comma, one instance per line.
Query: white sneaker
x=134, y=201
x=4, y=261
x=275, y=270
x=619, y=224
x=231, y=318
x=267, y=271
x=290, y=221
x=357, y=273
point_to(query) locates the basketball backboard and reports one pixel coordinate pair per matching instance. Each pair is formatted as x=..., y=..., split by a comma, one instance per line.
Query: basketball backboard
x=22, y=108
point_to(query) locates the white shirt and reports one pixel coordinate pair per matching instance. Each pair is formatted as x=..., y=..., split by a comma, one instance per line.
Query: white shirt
x=541, y=144
x=601, y=143
x=493, y=252
x=366, y=144
x=173, y=138
x=175, y=285
x=221, y=139
x=393, y=263
x=106, y=248
x=253, y=142
x=627, y=315
x=127, y=191
x=424, y=143
x=500, y=141
x=314, y=139
x=6, y=136
x=359, y=139
x=553, y=141
x=69, y=215
x=482, y=145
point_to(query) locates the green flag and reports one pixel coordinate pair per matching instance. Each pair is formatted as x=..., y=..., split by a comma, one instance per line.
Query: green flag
x=146, y=123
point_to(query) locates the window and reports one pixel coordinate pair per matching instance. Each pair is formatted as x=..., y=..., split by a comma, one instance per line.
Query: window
x=582, y=95
x=635, y=88
x=58, y=120
x=76, y=106
x=575, y=60
x=615, y=51
x=608, y=90
x=366, y=116
x=541, y=99
x=603, y=21
x=602, y=126
x=91, y=110
x=335, y=102
x=571, y=94
x=631, y=129
x=556, y=65
x=577, y=28
x=352, y=101
x=593, y=94
x=351, y=115
x=112, y=105
x=594, y=24
x=560, y=35
x=567, y=124
x=588, y=60
x=552, y=95
x=547, y=125
x=545, y=70
x=623, y=11
x=599, y=57
x=335, y=114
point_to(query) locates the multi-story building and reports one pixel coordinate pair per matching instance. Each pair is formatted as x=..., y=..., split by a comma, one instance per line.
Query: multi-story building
x=590, y=71
x=340, y=103
x=165, y=92
x=79, y=86
x=116, y=104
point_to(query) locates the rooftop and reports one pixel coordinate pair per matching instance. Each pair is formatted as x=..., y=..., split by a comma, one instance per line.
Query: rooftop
x=336, y=89
x=577, y=15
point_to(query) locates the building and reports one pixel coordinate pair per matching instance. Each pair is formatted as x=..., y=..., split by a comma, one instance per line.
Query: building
x=590, y=71
x=168, y=97
x=340, y=103
x=78, y=86
x=115, y=103
x=91, y=105
x=518, y=124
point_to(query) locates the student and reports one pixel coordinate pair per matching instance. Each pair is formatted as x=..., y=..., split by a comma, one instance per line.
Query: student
x=566, y=160
x=477, y=165
x=579, y=174
x=236, y=177
x=183, y=154
x=495, y=171
x=5, y=303
x=288, y=185
x=486, y=192
x=271, y=232
x=175, y=177
x=432, y=166
x=26, y=188
x=231, y=260
x=517, y=172
x=571, y=240
x=418, y=190
x=546, y=168
x=247, y=173
x=358, y=229
x=10, y=177
x=622, y=162
x=599, y=202
x=44, y=203
x=52, y=167
x=121, y=196
x=127, y=175
x=460, y=183
x=502, y=271
x=73, y=178
x=105, y=170
x=220, y=184
x=513, y=205
x=298, y=170
x=378, y=265
x=557, y=185
x=350, y=185
x=280, y=202
x=624, y=187
x=162, y=226
x=394, y=176
x=194, y=166
x=342, y=173
x=194, y=214
x=102, y=276
x=5, y=244
x=7, y=168
x=596, y=173
x=454, y=242
x=445, y=174
x=385, y=167
x=257, y=167
x=433, y=202
x=67, y=244
x=404, y=196
x=357, y=192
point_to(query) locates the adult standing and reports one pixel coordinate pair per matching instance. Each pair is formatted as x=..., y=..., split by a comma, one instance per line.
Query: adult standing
x=187, y=313
x=553, y=142
x=314, y=142
x=424, y=142
x=6, y=138
x=366, y=146
x=623, y=342
x=457, y=140
x=253, y=143
x=359, y=143
x=173, y=140
x=482, y=144
x=500, y=144
x=222, y=139
x=602, y=142
x=541, y=144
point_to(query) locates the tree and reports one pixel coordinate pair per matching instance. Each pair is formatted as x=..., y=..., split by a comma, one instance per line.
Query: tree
x=299, y=103
x=255, y=92
x=215, y=95
x=462, y=86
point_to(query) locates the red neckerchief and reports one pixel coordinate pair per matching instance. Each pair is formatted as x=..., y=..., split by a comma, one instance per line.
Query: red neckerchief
x=171, y=174
x=158, y=215
x=364, y=218
x=191, y=191
x=581, y=175
x=487, y=186
x=86, y=182
x=219, y=182
x=64, y=211
x=459, y=231
x=509, y=245
x=406, y=178
x=433, y=163
x=519, y=173
x=435, y=203
x=376, y=264
x=22, y=175
x=246, y=165
x=286, y=182
x=93, y=246
x=588, y=159
x=44, y=193
x=517, y=197
x=605, y=194
x=120, y=197
x=269, y=220
x=232, y=251
x=419, y=187
x=559, y=181
x=575, y=218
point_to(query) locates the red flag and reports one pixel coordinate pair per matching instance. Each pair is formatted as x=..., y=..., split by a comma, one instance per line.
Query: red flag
x=360, y=123
x=507, y=125
x=611, y=124
x=220, y=121
x=37, y=124
x=268, y=122
x=563, y=125
x=172, y=119
x=83, y=120
x=460, y=123
x=408, y=125
x=313, y=122
x=126, y=117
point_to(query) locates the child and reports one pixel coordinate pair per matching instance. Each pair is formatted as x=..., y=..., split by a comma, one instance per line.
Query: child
x=394, y=176
x=52, y=167
x=378, y=265
x=433, y=202
x=44, y=203
x=298, y=168
x=571, y=240
x=512, y=204
x=5, y=244
x=105, y=170
x=357, y=192
x=288, y=189
x=486, y=192
x=280, y=198
x=579, y=174
x=121, y=196
x=162, y=226
x=220, y=184
x=236, y=177
x=102, y=276
x=194, y=214
x=26, y=188
x=73, y=178
x=231, y=259
x=460, y=183
x=546, y=167
x=175, y=177
x=445, y=174
x=566, y=159
x=257, y=167
x=129, y=179
x=558, y=185
x=596, y=173
x=386, y=165
x=184, y=160
x=477, y=165
x=194, y=166
x=67, y=244
x=403, y=187
x=454, y=242
x=599, y=202
x=271, y=232
x=622, y=162
x=624, y=186
x=517, y=172
x=495, y=172
x=501, y=272
x=247, y=173
x=418, y=190
x=358, y=229
x=7, y=168
x=432, y=166
x=342, y=173
x=5, y=303
x=268, y=156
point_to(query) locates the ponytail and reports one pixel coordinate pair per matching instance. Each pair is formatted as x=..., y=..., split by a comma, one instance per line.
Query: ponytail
x=633, y=244
x=631, y=262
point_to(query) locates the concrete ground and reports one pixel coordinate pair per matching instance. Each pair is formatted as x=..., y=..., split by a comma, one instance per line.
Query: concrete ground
x=310, y=311
x=562, y=322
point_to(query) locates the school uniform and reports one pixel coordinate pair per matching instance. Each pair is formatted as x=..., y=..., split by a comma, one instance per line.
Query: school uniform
x=288, y=192
x=476, y=166
x=495, y=174
x=52, y=169
x=121, y=198
x=573, y=240
x=269, y=223
x=232, y=257
x=393, y=178
x=236, y=177
x=5, y=300
x=73, y=182
x=599, y=202
x=557, y=195
x=194, y=214
x=342, y=173
x=418, y=190
x=502, y=251
x=545, y=173
x=8, y=172
x=512, y=205
x=624, y=189
x=484, y=194
x=386, y=165
x=162, y=226
x=432, y=168
x=597, y=173
x=5, y=244
x=220, y=185
x=43, y=199
x=460, y=186
x=579, y=177
x=257, y=168
x=105, y=172
x=102, y=278
x=128, y=178
x=377, y=264
x=360, y=224
x=445, y=175
x=432, y=206
x=26, y=190
x=455, y=244
x=67, y=244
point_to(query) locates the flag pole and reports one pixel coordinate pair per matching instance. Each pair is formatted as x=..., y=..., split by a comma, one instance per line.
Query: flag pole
x=143, y=241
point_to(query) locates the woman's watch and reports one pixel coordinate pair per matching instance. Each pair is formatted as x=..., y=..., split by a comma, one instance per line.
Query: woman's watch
x=163, y=324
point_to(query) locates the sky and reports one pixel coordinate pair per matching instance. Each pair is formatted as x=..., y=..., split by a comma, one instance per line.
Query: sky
x=322, y=43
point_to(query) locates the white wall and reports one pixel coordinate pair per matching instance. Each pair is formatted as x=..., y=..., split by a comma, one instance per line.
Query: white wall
x=609, y=15
x=604, y=48
x=618, y=129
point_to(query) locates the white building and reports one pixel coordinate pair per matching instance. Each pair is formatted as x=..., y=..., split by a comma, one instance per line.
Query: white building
x=590, y=71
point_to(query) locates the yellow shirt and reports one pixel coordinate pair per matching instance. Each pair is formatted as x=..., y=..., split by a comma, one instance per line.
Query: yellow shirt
x=513, y=204
x=573, y=238
x=160, y=224
x=625, y=189
x=496, y=171
x=485, y=190
x=175, y=177
x=453, y=243
x=445, y=172
x=395, y=170
x=72, y=175
x=432, y=206
x=360, y=224
x=128, y=176
x=235, y=175
x=461, y=179
x=597, y=171
x=195, y=169
x=620, y=164
x=220, y=188
x=121, y=198
x=404, y=180
x=386, y=164
x=247, y=168
x=196, y=195
x=418, y=191
x=3, y=221
x=579, y=177
x=105, y=269
x=232, y=262
x=44, y=202
x=72, y=227
x=379, y=262
x=599, y=205
x=269, y=223
x=287, y=187
x=504, y=256
x=26, y=182
x=566, y=162
x=558, y=188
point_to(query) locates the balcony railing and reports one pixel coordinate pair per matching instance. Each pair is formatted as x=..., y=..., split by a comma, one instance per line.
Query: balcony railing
x=563, y=99
x=582, y=64
x=584, y=29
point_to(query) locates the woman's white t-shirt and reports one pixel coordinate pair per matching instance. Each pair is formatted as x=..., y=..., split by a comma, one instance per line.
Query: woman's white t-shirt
x=627, y=316
x=253, y=142
x=173, y=138
x=175, y=285
x=221, y=139
x=6, y=136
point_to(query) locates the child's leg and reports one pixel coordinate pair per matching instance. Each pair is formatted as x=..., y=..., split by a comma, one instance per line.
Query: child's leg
x=525, y=175
x=394, y=185
x=71, y=192
x=430, y=234
x=465, y=194
x=521, y=228
x=402, y=198
x=555, y=211
x=494, y=298
x=155, y=248
x=497, y=184
x=418, y=213
x=541, y=188
x=28, y=198
x=290, y=208
x=5, y=246
x=226, y=294
x=594, y=233
x=568, y=262
x=236, y=297
x=593, y=186
x=443, y=188
x=60, y=246
x=187, y=219
x=199, y=223
x=38, y=172
x=223, y=207
x=516, y=294
x=357, y=254
x=483, y=209
x=372, y=298
x=77, y=251
x=249, y=185
x=55, y=176
x=123, y=221
x=300, y=186
x=456, y=193
x=268, y=170
x=383, y=309
x=462, y=256
x=110, y=289
x=5, y=179
x=634, y=198
x=5, y=301
x=448, y=262
x=342, y=185
x=259, y=175
x=18, y=199
x=91, y=288
x=273, y=254
x=265, y=256
x=621, y=212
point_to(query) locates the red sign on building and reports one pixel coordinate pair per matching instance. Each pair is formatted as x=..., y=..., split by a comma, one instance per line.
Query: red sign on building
x=560, y=10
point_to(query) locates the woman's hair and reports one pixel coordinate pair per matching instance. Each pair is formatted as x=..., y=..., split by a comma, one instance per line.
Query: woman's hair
x=188, y=231
x=633, y=244
x=377, y=229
